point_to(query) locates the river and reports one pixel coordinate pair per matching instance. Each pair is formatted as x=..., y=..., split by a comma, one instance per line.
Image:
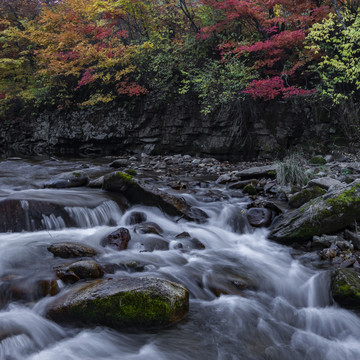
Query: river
x=250, y=298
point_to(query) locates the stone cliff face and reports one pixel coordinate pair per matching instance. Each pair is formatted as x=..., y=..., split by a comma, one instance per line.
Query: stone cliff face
x=242, y=131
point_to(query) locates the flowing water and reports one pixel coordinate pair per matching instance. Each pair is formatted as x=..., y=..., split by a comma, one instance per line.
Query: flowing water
x=250, y=298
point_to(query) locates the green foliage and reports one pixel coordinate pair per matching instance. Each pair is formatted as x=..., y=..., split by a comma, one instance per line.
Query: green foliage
x=291, y=170
x=216, y=83
x=339, y=55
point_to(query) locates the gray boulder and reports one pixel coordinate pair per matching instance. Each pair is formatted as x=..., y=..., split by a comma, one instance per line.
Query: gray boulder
x=139, y=192
x=68, y=179
x=258, y=172
x=326, y=183
x=120, y=163
x=140, y=303
x=327, y=214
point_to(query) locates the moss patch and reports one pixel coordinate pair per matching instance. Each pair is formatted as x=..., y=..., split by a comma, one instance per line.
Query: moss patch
x=305, y=196
x=124, y=176
x=318, y=160
x=345, y=287
x=131, y=172
x=250, y=189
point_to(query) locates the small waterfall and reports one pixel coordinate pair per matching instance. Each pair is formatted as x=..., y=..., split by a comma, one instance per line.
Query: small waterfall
x=53, y=222
x=108, y=213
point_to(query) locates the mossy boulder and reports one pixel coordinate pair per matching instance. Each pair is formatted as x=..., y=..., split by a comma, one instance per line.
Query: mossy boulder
x=139, y=192
x=345, y=288
x=326, y=214
x=139, y=303
x=305, y=196
x=250, y=189
x=68, y=180
x=317, y=160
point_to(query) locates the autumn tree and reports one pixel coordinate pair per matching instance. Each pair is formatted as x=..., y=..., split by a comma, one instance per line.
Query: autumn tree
x=269, y=37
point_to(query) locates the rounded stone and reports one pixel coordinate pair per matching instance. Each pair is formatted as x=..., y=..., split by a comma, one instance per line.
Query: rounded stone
x=140, y=302
x=259, y=217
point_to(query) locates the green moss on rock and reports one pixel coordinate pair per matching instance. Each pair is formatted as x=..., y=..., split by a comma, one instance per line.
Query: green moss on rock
x=124, y=303
x=324, y=215
x=131, y=172
x=345, y=287
x=250, y=189
x=305, y=196
x=124, y=176
x=318, y=160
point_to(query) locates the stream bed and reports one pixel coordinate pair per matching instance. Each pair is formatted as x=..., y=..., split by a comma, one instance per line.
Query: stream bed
x=250, y=298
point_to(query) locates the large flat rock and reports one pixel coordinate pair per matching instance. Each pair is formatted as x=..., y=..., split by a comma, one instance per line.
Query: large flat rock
x=139, y=192
x=326, y=214
x=139, y=302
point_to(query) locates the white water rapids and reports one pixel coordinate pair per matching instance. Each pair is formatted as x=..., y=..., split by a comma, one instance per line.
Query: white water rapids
x=284, y=312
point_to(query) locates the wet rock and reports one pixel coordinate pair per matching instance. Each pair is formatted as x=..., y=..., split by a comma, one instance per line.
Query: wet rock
x=353, y=237
x=327, y=214
x=16, y=288
x=68, y=277
x=258, y=172
x=154, y=243
x=146, y=302
x=111, y=268
x=259, y=217
x=136, y=217
x=347, y=262
x=224, y=179
x=96, y=183
x=305, y=196
x=84, y=269
x=118, y=163
x=328, y=254
x=326, y=183
x=29, y=215
x=324, y=240
x=183, y=235
x=118, y=239
x=148, y=228
x=197, y=215
x=68, y=179
x=139, y=192
x=345, y=288
x=241, y=184
x=238, y=221
x=344, y=245
x=188, y=244
x=69, y=250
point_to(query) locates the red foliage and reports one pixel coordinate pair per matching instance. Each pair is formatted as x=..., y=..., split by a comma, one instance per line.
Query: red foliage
x=69, y=55
x=272, y=33
x=271, y=88
x=131, y=89
x=87, y=78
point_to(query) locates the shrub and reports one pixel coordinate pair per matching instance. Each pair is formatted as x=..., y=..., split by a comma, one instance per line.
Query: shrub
x=291, y=170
